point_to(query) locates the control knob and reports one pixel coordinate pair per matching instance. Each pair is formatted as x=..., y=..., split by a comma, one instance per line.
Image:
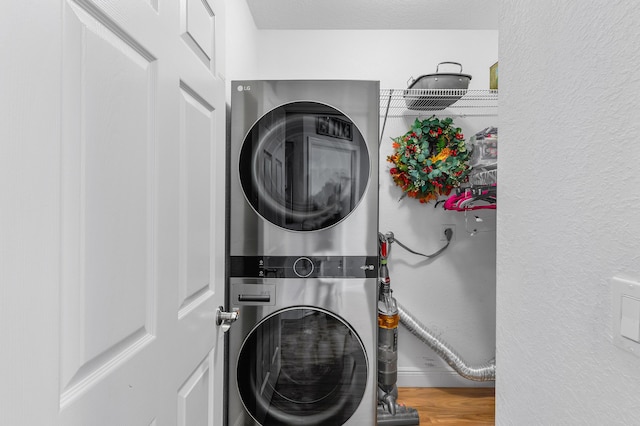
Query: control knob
x=303, y=267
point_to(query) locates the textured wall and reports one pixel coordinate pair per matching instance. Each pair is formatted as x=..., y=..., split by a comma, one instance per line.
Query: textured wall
x=568, y=215
x=454, y=295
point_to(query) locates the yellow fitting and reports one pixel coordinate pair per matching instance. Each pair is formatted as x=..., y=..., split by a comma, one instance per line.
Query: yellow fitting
x=388, y=321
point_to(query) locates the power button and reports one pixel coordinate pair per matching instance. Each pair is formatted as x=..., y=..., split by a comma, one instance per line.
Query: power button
x=303, y=267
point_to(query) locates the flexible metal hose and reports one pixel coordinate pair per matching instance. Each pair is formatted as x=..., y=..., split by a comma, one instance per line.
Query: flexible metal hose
x=482, y=373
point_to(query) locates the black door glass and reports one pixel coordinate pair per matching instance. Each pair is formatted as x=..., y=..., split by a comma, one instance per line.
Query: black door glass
x=302, y=366
x=304, y=166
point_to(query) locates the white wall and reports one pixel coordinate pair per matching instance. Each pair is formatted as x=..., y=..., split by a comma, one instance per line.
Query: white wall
x=391, y=56
x=242, y=47
x=454, y=295
x=568, y=214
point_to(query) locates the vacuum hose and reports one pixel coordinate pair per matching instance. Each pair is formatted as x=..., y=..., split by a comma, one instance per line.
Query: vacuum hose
x=486, y=372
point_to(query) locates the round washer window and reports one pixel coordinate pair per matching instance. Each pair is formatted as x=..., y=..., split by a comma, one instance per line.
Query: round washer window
x=302, y=365
x=304, y=166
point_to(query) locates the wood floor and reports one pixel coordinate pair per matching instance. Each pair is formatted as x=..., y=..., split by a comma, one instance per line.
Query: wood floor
x=451, y=406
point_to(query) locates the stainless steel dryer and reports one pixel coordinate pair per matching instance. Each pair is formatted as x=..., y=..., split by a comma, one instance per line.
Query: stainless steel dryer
x=304, y=168
x=303, y=253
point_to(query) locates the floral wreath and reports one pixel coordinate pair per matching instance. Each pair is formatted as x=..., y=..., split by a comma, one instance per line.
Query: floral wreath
x=430, y=159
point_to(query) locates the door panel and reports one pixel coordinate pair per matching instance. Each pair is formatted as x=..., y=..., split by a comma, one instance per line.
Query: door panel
x=142, y=214
x=197, y=25
x=323, y=157
x=302, y=365
x=197, y=129
x=195, y=395
x=108, y=283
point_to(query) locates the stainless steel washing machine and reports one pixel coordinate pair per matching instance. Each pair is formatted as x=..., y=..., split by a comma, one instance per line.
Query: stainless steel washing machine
x=303, y=349
x=303, y=216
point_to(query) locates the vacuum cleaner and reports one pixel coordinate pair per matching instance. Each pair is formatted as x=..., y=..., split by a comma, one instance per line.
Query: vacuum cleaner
x=390, y=413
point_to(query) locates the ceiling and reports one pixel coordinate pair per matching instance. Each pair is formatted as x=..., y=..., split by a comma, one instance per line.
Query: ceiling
x=375, y=14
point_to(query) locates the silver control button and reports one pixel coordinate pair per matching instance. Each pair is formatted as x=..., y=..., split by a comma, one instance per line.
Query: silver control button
x=303, y=267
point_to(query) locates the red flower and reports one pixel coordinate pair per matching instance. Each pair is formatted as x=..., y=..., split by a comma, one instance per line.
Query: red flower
x=459, y=136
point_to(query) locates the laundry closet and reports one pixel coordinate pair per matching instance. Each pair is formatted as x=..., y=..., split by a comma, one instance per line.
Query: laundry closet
x=454, y=293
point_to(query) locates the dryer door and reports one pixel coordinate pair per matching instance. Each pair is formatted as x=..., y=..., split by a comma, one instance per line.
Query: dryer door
x=302, y=365
x=304, y=166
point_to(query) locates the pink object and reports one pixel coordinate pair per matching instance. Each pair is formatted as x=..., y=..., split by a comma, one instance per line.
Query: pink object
x=460, y=202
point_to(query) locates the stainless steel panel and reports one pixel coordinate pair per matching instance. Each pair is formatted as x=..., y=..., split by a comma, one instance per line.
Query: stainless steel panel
x=351, y=299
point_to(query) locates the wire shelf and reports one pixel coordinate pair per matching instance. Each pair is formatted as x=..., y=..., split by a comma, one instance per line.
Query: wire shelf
x=452, y=102
x=485, y=175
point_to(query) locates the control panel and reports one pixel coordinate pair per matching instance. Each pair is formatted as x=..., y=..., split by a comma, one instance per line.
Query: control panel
x=304, y=266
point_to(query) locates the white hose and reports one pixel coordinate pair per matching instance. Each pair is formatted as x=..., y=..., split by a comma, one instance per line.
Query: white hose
x=486, y=372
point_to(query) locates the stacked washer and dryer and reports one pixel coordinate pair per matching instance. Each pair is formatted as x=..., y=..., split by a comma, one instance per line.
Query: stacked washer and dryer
x=303, y=252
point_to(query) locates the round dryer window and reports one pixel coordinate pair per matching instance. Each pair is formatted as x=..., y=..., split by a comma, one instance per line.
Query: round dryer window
x=302, y=365
x=304, y=166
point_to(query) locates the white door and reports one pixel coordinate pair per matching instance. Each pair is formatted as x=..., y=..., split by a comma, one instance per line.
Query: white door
x=112, y=268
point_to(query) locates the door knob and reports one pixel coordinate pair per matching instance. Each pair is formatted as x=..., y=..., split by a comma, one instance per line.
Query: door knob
x=225, y=319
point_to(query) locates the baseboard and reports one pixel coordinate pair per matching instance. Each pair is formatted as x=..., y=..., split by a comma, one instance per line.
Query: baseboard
x=414, y=378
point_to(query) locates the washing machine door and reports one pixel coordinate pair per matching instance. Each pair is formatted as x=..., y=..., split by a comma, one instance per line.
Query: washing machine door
x=302, y=365
x=304, y=166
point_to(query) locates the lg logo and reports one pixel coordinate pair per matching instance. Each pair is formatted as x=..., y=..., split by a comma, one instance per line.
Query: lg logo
x=242, y=88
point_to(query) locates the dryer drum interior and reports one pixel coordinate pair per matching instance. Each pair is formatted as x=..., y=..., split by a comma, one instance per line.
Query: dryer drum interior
x=302, y=364
x=304, y=166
